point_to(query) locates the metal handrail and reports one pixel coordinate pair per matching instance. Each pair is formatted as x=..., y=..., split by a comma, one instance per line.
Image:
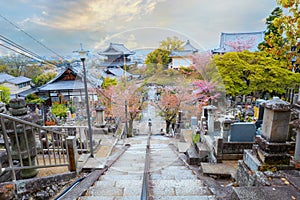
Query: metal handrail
x=145, y=187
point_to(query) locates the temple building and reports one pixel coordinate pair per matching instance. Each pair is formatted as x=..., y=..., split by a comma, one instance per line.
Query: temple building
x=68, y=84
x=116, y=56
x=182, y=57
x=233, y=42
x=16, y=85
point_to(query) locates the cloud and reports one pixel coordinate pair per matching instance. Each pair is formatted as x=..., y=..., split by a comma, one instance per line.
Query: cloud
x=93, y=14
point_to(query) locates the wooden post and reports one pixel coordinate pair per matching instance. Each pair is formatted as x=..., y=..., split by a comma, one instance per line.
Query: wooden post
x=71, y=147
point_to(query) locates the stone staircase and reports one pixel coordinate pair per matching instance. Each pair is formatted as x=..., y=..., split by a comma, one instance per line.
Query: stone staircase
x=170, y=178
x=123, y=180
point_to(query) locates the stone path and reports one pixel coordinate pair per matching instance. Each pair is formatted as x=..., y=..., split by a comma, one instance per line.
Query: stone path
x=124, y=179
x=169, y=178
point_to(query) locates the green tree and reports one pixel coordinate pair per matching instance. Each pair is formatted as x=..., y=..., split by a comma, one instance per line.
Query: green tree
x=3, y=69
x=107, y=82
x=16, y=64
x=32, y=71
x=288, y=25
x=245, y=73
x=272, y=32
x=171, y=43
x=4, y=94
x=157, y=61
x=43, y=78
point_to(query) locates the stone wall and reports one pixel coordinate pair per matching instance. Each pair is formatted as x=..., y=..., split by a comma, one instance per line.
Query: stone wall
x=35, y=188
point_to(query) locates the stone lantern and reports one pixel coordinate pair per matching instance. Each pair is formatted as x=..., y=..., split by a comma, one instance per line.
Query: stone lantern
x=100, y=120
x=22, y=135
x=210, y=117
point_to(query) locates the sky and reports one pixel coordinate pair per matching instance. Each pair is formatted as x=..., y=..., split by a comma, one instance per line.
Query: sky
x=57, y=27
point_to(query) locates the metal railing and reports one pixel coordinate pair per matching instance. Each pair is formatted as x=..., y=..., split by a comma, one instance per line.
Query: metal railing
x=145, y=186
x=30, y=146
x=80, y=132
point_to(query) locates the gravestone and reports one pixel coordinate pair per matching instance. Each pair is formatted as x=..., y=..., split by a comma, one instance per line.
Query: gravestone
x=270, y=150
x=242, y=132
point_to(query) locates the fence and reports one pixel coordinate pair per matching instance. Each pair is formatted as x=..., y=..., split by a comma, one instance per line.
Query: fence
x=30, y=146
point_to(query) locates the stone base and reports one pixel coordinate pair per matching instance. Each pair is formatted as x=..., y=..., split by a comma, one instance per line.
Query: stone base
x=273, y=159
x=244, y=176
x=275, y=192
x=272, y=147
x=202, y=150
x=251, y=160
x=192, y=157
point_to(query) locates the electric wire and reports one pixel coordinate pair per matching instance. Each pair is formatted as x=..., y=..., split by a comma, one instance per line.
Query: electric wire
x=23, y=54
x=10, y=22
x=23, y=51
x=10, y=42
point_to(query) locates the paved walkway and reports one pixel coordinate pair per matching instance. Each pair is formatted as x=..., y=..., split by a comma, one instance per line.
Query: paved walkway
x=169, y=178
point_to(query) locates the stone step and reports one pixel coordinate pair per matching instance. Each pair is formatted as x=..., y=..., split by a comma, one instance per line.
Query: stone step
x=178, y=188
x=121, y=177
x=219, y=170
x=202, y=197
x=110, y=198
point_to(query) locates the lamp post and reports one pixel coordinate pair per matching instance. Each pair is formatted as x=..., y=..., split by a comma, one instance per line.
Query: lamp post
x=126, y=103
x=82, y=55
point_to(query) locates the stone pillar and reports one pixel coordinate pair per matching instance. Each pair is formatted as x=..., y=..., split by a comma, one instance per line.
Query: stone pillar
x=296, y=125
x=297, y=148
x=100, y=120
x=225, y=128
x=28, y=153
x=211, y=118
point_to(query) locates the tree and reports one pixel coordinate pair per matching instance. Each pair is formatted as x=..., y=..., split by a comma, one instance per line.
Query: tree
x=4, y=94
x=107, y=82
x=32, y=71
x=272, y=32
x=43, y=78
x=158, y=56
x=16, y=64
x=245, y=73
x=129, y=95
x=3, y=69
x=241, y=44
x=171, y=44
x=171, y=101
x=288, y=26
x=157, y=61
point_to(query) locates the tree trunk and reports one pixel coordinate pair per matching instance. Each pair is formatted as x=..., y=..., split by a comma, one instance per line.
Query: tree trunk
x=168, y=123
x=130, y=128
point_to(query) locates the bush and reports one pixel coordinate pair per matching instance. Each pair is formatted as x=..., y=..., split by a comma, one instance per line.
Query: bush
x=59, y=110
x=196, y=138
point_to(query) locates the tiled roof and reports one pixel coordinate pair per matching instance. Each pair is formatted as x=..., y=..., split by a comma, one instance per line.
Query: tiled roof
x=187, y=50
x=117, y=71
x=116, y=49
x=19, y=80
x=56, y=84
x=4, y=77
x=188, y=47
x=257, y=38
x=63, y=85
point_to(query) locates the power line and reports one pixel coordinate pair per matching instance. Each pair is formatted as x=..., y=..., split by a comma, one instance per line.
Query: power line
x=10, y=22
x=10, y=42
x=22, y=50
x=17, y=51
